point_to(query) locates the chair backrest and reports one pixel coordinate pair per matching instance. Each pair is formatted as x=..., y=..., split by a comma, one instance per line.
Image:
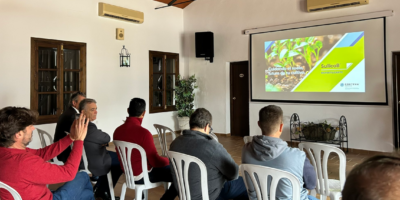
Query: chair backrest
x=13, y=192
x=247, y=139
x=162, y=137
x=322, y=168
x=42, y=138
x=125, y=153
x=182, y=175
x=261, y=183
x=85, y=161
x=42, y=134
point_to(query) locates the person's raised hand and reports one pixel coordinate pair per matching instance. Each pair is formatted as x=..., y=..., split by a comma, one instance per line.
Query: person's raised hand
x=81, y=127
x=72, y=131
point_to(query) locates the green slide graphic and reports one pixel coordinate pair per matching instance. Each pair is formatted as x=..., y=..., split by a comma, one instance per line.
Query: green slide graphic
x=331, y=70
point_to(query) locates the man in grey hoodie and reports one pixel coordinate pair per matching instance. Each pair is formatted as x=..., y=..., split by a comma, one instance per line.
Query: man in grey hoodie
x=222, y=171
x=271, y=151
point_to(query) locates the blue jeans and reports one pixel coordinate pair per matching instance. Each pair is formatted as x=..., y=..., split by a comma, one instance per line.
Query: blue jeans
x=310, y=197
x=79, y=188
x=162, y=174
x=235, y=189
x=102, y=183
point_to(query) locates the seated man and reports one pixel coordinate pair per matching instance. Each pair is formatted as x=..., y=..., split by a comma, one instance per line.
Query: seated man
x=100, y=161
x=375, y=178
x=132, y=131
x=65, y=122
x=27, y=170
x=271, y=151
x=222, y=171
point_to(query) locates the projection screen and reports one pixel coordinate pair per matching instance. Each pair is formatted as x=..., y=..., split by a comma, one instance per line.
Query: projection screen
x=342, y=63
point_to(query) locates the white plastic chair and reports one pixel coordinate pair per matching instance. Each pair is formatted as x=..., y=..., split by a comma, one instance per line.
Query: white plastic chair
x=261, y=186
x=182, y=175
x=43, y=142
x=325, y=186
x=109, y=176
x=162, y=137
x=13, y=192
x=125, y=153
x=247, y=139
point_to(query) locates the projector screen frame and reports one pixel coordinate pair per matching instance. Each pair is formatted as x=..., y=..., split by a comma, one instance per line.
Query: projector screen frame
x=321, y=102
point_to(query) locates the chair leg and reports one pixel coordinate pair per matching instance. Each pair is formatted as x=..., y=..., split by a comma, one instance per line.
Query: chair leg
x=123, y=191
x=138, y=193
x=146, y=194
x=166, y=186
x=335, y=196
x=111, y=185
x=313, y=193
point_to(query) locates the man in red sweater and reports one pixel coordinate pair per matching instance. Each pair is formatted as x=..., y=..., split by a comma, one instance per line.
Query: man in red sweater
x=27, y=170
x=132, y=131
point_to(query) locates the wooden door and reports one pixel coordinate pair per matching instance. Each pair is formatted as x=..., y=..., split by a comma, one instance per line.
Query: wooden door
x=396, y=99
x=239, y=94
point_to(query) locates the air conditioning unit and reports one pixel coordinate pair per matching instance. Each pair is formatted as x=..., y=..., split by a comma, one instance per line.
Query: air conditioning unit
x=124, y=14
x=321, y=5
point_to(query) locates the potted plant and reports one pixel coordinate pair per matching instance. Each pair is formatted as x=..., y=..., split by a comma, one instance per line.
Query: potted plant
x=184, y=98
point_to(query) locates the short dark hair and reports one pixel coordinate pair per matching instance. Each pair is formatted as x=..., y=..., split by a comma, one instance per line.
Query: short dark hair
x=200, y=118
x=136, y=107
x=13, y=120
x=269, y=118
x=83, y=103
x=375, y=178
x=74, y=97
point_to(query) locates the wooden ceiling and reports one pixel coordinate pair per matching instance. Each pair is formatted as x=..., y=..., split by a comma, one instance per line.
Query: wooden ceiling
x=183, y=5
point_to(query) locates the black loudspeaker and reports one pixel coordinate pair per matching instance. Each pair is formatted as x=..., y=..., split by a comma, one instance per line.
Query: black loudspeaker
x=205, y=45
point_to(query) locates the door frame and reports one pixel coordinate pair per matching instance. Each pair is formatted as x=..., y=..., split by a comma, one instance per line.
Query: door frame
x=395, y=96
x=229, y=95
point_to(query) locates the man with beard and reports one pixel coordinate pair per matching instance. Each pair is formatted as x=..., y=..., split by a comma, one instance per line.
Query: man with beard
x=27, y=170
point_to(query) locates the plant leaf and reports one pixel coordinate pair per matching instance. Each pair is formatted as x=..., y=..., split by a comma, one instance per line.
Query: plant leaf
x=282, y=54
x=319, y=44
x=302, y=44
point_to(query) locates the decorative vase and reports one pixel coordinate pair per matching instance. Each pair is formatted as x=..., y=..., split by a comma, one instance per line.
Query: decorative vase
x=183, y=123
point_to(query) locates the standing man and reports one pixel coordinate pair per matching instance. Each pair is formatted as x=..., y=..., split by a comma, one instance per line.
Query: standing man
x=27, y=170
x=65, y=122
x=271, y=151
x=223, y=177
x=100, y=161
x=132, y=131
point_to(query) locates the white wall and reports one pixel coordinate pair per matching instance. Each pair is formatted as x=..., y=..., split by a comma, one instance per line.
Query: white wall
x=370, y=127
x=77, y=20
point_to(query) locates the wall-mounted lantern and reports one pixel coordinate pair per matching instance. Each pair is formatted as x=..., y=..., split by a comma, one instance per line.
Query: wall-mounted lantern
x=125, y=57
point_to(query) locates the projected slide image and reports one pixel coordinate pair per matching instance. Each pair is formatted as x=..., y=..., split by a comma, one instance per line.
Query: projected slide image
x=329, y=63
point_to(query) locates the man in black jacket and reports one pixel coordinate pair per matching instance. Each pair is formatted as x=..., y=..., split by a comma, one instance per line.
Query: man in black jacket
x=100, y=161
x=223, y=177
x=65, y=122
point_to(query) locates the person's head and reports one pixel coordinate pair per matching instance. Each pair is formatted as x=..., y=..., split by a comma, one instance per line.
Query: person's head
x=375, y=178
x=88, y=107
x=271, y=121
x=16, y=126
x=137, y=108
x=201, y=120
x=75, y=99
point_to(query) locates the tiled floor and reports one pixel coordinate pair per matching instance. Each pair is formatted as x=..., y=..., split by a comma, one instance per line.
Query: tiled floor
x=234, y=146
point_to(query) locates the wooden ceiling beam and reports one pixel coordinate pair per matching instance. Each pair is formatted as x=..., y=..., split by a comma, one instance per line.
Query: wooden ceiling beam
x=178, y=3
x=172, y=2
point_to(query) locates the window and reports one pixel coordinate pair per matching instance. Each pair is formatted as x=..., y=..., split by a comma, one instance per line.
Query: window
x=58, y=69
x=164, y=70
